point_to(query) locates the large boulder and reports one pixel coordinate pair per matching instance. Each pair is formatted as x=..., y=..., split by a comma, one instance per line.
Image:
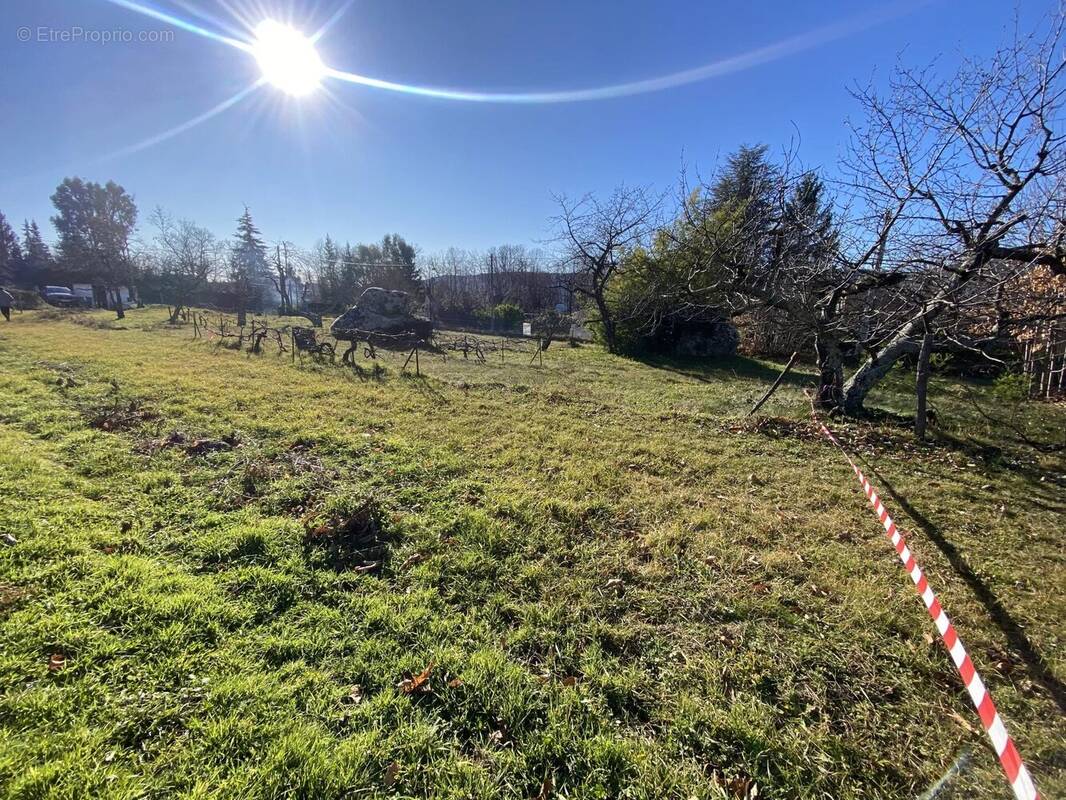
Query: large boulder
x=386, y=311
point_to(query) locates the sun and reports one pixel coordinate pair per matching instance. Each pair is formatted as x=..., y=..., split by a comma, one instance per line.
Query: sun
x=287, y=58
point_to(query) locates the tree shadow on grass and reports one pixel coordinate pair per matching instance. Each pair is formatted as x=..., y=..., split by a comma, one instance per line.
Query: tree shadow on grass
x=713, y=370
x=1042, y=483
x=1036, y=666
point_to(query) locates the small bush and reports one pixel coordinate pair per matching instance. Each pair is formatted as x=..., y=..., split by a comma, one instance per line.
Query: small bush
x=1011, y=387
x=505, y=316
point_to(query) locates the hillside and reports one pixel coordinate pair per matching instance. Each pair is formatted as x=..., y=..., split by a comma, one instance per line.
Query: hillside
x=233, y=575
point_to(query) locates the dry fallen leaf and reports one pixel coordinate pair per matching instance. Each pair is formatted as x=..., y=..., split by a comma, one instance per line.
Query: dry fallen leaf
x=546, y=788
x=355, y=694
x=56, y=662
x=455, y=683
x=411, y=560
x=500, y=734
x=418, y=684
x=617, y=584
x=370, y=566
x=569, y=680
x=390, y=774
x=739, y=786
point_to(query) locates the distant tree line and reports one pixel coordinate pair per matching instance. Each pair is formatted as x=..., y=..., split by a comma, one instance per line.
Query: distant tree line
x=496, y=288
x=181, y=263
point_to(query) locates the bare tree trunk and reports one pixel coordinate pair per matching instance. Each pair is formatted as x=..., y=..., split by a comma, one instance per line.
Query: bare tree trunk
x=607, y=321
x=830, y=370
x=242, y=315
x=876, y=367
x=921, y=386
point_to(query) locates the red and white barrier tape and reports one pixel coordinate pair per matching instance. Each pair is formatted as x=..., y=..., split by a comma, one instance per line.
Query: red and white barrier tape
x=1017, y=774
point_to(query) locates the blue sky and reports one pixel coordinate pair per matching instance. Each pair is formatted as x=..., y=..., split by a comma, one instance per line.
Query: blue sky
x=357, y=162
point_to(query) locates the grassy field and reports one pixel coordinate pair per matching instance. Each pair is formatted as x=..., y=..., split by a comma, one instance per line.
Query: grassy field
x=235, y=576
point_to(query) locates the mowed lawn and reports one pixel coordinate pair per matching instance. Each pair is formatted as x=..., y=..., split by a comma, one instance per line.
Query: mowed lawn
x=589, y=579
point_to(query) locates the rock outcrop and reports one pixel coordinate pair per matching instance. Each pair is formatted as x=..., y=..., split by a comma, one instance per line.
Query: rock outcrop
x=384, y=311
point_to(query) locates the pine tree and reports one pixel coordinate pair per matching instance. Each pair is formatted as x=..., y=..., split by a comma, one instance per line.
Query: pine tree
x=248, y=264
x=248, y=235
x=10, y=252
x=396, y=268
x=748, y=178
x=327, y=271
x=808, y=223
x=352, y=275
x=36, y=257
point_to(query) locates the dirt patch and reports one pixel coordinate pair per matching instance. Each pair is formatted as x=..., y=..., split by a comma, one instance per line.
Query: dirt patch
x=192, y=445
x=355, y=541
x=12, y=596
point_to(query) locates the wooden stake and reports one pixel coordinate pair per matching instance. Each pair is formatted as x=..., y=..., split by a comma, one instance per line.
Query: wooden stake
x=921, y=386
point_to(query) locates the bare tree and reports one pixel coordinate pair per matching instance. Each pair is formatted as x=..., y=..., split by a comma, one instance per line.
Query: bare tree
x=975, y=165
x=595, y=236
x=286, y=265
x=187, y=256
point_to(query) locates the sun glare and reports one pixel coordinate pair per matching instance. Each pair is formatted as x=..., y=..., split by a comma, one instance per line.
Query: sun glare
x=288, y=58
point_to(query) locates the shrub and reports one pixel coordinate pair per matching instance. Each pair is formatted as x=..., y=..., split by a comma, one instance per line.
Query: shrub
x=1011, y=387
x=504, y=316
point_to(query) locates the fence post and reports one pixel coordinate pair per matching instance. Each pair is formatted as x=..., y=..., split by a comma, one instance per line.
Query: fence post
x=418, y=371
x=292, y=342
